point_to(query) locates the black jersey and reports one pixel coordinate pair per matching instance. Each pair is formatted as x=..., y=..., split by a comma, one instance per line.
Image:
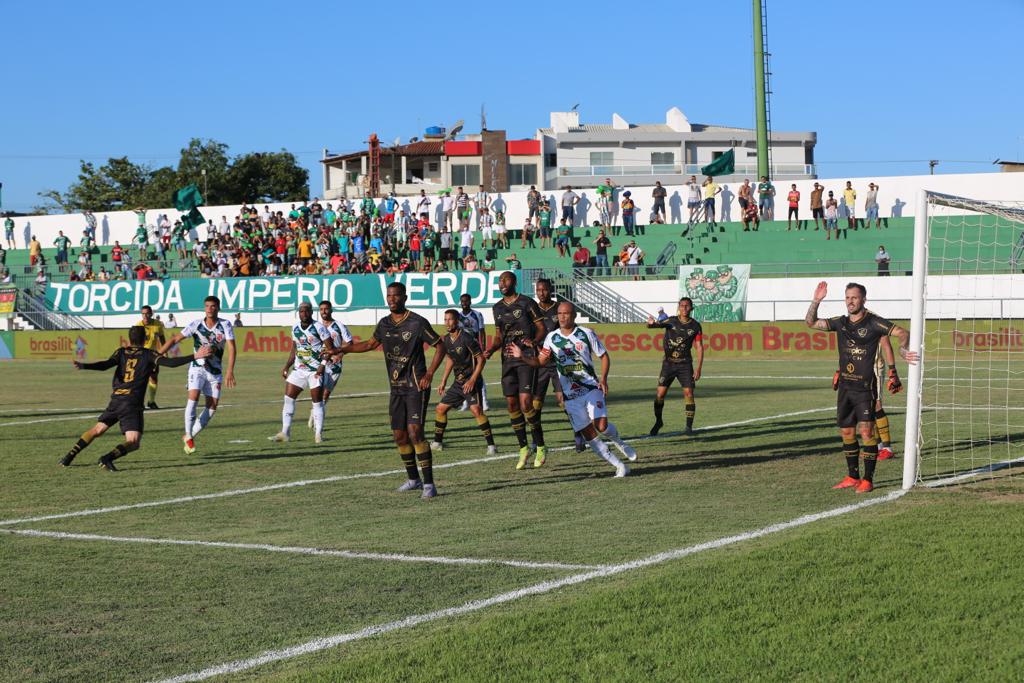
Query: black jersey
x=135, y=365
x=403, y=348
x=550, y=318
x=679, y=338
x=463, y=350
x=516, y=321
x=858, y=345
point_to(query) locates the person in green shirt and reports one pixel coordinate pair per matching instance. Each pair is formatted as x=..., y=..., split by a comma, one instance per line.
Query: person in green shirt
x=545, y=225
x=562, y=240
x=62, y=243
x=429, y=238
x=330, y=217
x=9, y=232
x=142, y=239
x=766, y=198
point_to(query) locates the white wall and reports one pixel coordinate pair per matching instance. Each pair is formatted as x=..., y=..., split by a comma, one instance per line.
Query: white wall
x=896, y=196
x=773, y=299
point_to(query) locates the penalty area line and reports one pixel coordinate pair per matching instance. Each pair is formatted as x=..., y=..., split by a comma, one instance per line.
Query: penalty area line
x=325, y=643
x=298, y=550
x=364, y=475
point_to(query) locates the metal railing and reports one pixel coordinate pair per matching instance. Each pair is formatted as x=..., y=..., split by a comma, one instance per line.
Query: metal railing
x=37, y=311
x=777, y=170
x=595, y=301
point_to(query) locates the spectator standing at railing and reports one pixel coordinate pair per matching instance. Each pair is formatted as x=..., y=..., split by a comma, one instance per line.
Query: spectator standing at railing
x=766, y=198
x=562, y=238
x=481, y=201
x=628, y=213
x=659, y=194
x=693, y=200
x=882, y=259
x=793, y=198
x=90, y=223
x=871, y=208
x=62, y=243
x=569, y=201
x=9, y=232
x=532, y=206
x=817, y=208
x=831, y=216
x=422, y=205
x=743, y=197
x=445, y=240
x=634, y=255
x=486, y=224
x=601, y=245
x=35, y=251
x=711, y=190
x=850, y=195
x=545, y=224
x=447, y=209
x=462, y=211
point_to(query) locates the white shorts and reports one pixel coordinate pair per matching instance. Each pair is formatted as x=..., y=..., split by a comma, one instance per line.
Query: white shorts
x=487, y=234
x=330, y=379
x=304, y=379
x=585, y=409
x=204, y=381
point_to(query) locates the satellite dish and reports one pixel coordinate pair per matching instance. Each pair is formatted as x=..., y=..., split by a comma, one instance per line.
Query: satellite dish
x=397, y=142
x=413, y=139
x=575, y=107
x=455, y=130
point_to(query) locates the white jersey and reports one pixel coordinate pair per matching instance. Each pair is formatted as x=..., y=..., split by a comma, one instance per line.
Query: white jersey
x=339, y=336
x=573, y=356
x=216, y=337
x=472, y=322
x=309, y=344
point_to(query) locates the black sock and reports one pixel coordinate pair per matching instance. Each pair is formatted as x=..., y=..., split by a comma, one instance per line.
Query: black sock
x=519, y=427
x=440, y=424
x=852, y=454
x=870, y=454
x=485, y=428
x=82, y=442
x=119, y=451
x=659, y=408
x=409, y=460
x=691, y=410
x=533, y=417
x=426, y=462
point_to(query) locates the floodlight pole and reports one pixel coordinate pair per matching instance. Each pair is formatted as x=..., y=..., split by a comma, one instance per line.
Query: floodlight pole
x=760, y=103
x=914, y=378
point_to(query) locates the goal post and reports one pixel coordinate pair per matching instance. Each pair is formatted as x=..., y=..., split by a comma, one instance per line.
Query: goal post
x=965, y=396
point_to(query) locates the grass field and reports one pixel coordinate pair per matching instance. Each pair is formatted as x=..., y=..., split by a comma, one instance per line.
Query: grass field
x=559, y=573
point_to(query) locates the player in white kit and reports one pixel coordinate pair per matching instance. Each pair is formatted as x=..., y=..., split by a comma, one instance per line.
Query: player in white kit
x=206, y=375
x=572, y=349
x=339, y=336
x=312, y=351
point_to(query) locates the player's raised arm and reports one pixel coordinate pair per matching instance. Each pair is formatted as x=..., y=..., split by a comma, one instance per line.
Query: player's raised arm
x=654, y=324
x=543, y=356
x=164, y=361
x=97, y=365
x=812, y=319
x=363, y=346
x=165, y=347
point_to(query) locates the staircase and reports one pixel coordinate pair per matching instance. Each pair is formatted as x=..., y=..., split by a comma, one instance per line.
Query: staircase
x=594, y=301
x=35, y=314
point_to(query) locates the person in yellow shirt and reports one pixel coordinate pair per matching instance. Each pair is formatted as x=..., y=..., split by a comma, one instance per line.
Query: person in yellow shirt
x=155, y=338
x=305, y=248
x=850, y=195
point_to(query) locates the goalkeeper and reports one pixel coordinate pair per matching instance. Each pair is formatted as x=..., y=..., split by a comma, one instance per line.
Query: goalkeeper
x=859, y=335
x=885, y=371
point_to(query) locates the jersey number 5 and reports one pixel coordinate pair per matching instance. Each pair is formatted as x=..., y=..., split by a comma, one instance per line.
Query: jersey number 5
x=129, y=369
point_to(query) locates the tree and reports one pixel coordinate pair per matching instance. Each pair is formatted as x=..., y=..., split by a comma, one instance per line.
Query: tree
x=122, y=184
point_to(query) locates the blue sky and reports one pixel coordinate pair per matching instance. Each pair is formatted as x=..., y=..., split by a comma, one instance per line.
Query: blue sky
x=884, y=84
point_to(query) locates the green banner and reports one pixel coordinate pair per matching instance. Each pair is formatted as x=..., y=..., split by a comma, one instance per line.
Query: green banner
x=719, y=292
x=266, y=294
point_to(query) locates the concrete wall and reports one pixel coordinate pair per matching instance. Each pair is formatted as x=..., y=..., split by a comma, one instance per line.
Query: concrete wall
x=896, y=197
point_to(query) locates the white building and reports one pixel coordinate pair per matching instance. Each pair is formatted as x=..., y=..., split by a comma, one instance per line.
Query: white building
x=640, y=153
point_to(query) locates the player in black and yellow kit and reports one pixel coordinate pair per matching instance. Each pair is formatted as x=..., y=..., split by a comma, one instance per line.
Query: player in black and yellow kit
x=403, y=333
x=683, y=335
x=466, y=360
x=518, y=320
x=858, y=336
x=135, y=365
x=547, y=375
x=155, y=338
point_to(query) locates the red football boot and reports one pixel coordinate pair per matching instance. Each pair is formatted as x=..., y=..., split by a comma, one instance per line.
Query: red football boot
x=884, y=453
x=864, y=486
x=848, y=482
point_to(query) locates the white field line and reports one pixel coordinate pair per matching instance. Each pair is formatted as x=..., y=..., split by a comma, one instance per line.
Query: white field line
x=362, y=475
x=319, y=644
x=986, y=469
x=295, y=550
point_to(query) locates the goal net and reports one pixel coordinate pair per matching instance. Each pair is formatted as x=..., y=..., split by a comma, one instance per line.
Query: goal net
x=967, y=394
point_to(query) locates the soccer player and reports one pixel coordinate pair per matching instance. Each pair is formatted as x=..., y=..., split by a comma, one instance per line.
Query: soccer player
x=135, y=365
x=305, y=367
x=465, y=357
x=683, y=335
x=859, y=333
x=403, y=333
x=155, y=338
x=571, y=349
x=339, y=337
x=518, y=321
x=546, y=374
x=206, y=374
x=473, y=322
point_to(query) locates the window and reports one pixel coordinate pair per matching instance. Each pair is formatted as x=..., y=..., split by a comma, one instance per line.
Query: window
x=663, y=158
x=715, y=155
x=465, y=174
x=433, y=166
x=550, y=160
x=522, y=174
x=601, y=159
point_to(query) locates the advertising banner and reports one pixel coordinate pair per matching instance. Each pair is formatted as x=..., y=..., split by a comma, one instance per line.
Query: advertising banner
x=719, y=292
x=8, y=295
x=265, y=294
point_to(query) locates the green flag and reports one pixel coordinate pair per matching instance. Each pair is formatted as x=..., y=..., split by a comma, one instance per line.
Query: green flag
x=723, y=165
x=192, y=219
x=187, y=198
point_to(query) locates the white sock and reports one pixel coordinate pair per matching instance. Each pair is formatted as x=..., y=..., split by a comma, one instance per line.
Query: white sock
x=190, y=416
x=612, y=433
x=204, y=419
x=286, y=415
x=601, y=449
x=318, y=418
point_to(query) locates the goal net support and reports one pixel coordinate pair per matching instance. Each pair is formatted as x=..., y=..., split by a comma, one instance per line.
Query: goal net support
x=965, y=400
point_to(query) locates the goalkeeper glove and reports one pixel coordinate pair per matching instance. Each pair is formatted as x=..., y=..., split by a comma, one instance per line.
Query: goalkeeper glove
x=894, y=384
x=835, y=381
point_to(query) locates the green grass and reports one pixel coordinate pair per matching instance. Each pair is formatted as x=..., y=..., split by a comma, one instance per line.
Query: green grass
x=924, y=587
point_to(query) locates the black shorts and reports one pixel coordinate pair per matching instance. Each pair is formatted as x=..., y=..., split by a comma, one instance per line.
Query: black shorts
x=123, y=411
x=446, y=253
x=545, y=376
x=676, y=371
x=408, y=408
x=455, y=395
x=854, y=404
x=818, y=213
x=517, y=379
x=793, y=211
